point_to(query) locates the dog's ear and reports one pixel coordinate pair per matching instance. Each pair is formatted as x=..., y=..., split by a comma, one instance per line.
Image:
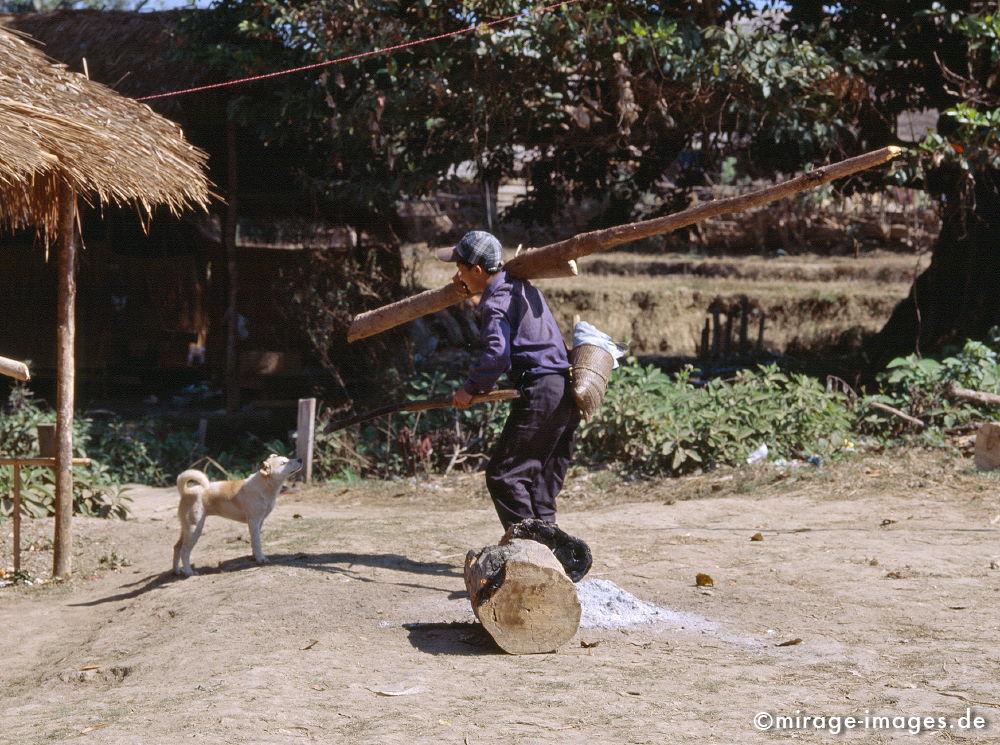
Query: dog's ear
x=266, y=468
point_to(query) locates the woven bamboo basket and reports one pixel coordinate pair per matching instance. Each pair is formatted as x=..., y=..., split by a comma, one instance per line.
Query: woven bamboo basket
x=590, y=368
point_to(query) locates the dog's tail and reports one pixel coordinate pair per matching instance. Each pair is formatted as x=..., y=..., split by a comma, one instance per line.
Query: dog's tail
x=191, y=483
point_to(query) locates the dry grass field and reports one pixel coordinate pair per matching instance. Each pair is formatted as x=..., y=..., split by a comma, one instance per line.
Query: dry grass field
x=659, y=303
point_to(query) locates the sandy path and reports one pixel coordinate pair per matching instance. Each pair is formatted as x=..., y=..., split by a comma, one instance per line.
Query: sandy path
x=883, y=571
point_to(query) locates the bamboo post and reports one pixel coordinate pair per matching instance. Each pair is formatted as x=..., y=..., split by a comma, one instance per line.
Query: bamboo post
x=530, y=263
x=62, y=560
x=17, y=517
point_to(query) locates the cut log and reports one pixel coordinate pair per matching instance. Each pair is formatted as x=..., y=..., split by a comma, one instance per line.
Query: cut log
x=987, y=456
x=538, y=262
x=14, y=369
x=522, y=596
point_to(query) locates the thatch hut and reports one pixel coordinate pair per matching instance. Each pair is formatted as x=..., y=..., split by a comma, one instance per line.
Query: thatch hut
x=191, y=282
x=63, y=136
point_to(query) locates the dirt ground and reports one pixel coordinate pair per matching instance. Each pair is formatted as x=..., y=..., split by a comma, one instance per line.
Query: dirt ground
x=873, y=593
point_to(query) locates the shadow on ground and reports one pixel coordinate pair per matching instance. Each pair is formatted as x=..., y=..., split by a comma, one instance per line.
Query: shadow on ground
x=347, y=564
x=455, y=638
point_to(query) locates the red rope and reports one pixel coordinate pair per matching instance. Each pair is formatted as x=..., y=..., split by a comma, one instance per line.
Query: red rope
x=348, y=58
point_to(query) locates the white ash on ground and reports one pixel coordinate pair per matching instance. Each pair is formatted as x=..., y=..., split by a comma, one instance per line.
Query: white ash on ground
x=605, y=605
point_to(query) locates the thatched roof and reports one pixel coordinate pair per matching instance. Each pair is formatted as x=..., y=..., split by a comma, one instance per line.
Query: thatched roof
x=131, y=52
x=57, y=127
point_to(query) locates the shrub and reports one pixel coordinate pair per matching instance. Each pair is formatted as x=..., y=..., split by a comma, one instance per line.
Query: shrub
x=96, y=491
x=917, y=386
x=652, y=423
x=408, y=444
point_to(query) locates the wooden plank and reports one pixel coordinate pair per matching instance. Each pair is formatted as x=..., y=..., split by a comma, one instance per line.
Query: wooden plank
x=537, y=261
x=305, y=436
x=47, y=462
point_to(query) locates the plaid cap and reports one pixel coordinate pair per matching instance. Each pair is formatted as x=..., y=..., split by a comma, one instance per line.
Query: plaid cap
x=477, y=248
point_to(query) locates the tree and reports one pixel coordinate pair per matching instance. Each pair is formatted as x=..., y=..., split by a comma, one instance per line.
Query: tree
x=600, y=100
x=927, y=54
x=41, y=6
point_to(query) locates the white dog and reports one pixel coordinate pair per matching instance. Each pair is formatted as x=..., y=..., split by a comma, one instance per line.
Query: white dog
x=250, y=500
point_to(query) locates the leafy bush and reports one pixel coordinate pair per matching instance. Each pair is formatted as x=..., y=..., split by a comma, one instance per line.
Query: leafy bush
x=652, y=423
x=407, y=444
x=918, y=387
x=96, y=491
x=143, y=451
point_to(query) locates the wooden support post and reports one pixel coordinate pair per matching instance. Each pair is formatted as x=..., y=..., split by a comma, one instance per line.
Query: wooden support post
x=62, y=560
x=48, y=439
x=17, y=463
x=17, y=517
x=305, y=436
x=232, y=270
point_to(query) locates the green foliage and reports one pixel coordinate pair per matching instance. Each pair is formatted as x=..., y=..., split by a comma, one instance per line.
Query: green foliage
x=143, y=451
x=96, y=492
x=652, y=423
x=42, y=6
x=604, y=97
x=114, y=561
x=413, y=443
x=917, y=386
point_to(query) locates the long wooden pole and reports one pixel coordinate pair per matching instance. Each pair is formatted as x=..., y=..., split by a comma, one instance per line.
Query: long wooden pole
x=62, y=561
x=534, y=262
x=14, y=369
x=442, y=402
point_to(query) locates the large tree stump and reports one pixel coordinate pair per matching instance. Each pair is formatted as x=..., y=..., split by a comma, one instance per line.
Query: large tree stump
x=522, y=596
x=987, y=456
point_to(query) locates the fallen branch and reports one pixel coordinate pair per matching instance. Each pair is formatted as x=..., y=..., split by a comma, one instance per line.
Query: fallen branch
x=897, y=413
x=538, y=262
x=976, y=397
